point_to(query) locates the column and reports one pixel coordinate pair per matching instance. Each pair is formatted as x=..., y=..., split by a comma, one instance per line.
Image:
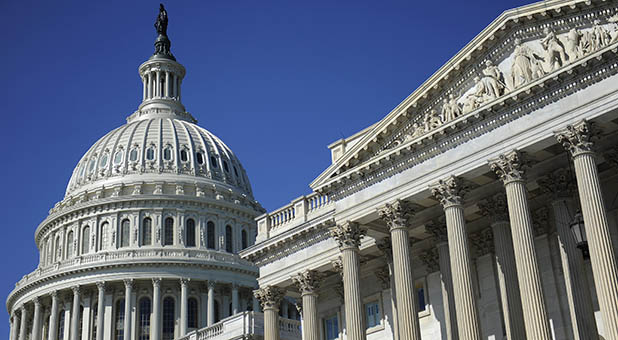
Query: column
x=348, y=235
x=183, y=306
x=308, y=283
x=211, y=302
x=167, y=83
x=397, y=216
x=438, y=230
x=23, y=326
x=178, y=87
x=495, y=208
x=577, y=139
x=36, y=323
x=14, y=326
x=449, y=193
x=155, y=328
x=100, y=309
x=149, y=85
x=75, y=314
x=270, y=298
x=144, y=92
x=128, y=291
x=509, y=168
x=174, y=87
x=386, y=247
x=234, y=298
x=158, y=84
x=53, y=317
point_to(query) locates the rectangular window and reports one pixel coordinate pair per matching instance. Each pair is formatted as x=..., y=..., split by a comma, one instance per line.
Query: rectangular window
x=373, y=314
x=331, y=328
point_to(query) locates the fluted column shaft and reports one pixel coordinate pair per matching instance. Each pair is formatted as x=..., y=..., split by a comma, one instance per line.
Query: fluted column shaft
x=53, y=318
x=507, y=280
x=234, y=299
x=409, y=328
x=577, y=139
x=23, y=325
x=36, y=323
x=128, y=291
x=270, y=298
x=75, y=315
x=15, y=326
x=308, y=283
x=211, y=303
x=183, y=306
x=576, y=283
x=100, y=310
x=355, y=322
x=446, y=280
x=156, y=308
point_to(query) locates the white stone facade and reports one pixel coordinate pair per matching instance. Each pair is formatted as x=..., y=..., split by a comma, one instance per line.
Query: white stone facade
x=452, y=217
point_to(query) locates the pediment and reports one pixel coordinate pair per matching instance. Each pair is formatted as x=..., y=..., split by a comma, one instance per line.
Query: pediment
x=524, y=52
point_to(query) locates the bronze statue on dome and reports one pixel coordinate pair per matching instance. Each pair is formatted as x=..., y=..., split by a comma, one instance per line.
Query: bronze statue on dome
x=161, y=23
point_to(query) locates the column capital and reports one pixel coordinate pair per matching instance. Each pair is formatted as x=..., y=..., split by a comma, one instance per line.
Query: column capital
x=431, y=260
x=270, y=297
x=100, y=285
x=308, y=281
x=509, y=167
x=76, y=290
x=397, y=215
x=385, y=246
x=482, y=242
x=54, y=294
x=36, y=301
x=577, y=138
x=156, y=282
x=184, y=281
x=559, y=184
x=437, y=229
x=449, y=191
x=348, y=235
x=211, y=284
x=338, y=265
x=235, y=285
x=128, y=283
x=495, y=208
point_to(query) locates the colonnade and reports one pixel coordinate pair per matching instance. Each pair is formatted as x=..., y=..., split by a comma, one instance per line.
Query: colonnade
x=106, y=310
x=161, y=84
x=522, y=297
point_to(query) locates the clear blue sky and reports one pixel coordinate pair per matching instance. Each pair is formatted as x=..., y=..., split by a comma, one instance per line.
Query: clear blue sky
x=276, y=80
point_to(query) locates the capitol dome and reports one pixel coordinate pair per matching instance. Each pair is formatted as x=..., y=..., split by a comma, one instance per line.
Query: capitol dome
x=145, y=243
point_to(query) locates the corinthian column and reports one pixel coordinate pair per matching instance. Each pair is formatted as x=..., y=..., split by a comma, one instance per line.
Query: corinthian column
x=15, y=326
x=211, y=302
x=53, y=317
x=308, y=283
x=396, y=216
x=577, y=139
x=449, y=192
x=270, y=298
x=386, y=247
x=75, y=314
x=23, y=326
x=509, y=168
x=156, y=308
x=36, y=322
x=128, y=289
x=495, y=208
x=348, y=236
x=183, y=306
x=438, y=231
x=100, y=309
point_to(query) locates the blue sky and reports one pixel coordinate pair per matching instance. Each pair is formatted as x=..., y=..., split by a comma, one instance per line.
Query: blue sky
x=276, y=80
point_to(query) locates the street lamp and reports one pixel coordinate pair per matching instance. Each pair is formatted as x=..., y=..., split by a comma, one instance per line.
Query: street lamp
x=579, y=233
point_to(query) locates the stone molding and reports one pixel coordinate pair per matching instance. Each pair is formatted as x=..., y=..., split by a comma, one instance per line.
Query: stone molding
x=578, y=138
x=270, y=297
x=495, y=208
x=449, y=191
x=308, y=282
x=559, y=184
x=348, y=235
x=509, y=167
x=397, y=215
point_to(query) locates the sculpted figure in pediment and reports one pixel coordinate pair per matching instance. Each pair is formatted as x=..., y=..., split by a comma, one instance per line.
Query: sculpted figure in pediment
x=450, y=108
x=601, y=37
x=526, y=65
x=614, y=20
x=555, y=55
x=471, y=102
x=432, y=120
x=493, y=81
x=573, y=48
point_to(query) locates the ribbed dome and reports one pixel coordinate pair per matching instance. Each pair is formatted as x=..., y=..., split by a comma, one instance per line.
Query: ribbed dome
x=169, y=148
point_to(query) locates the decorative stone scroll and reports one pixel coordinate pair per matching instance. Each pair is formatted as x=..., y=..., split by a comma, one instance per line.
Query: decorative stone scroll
x=308, y=281
x=338, y=265
x=449, y=191
x=578, y=138
x=510, y=166
x=348, y=234
x=397, y=214
x=270, y=297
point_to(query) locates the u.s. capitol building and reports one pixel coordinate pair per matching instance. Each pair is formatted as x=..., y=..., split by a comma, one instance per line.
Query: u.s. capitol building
x=483, y=206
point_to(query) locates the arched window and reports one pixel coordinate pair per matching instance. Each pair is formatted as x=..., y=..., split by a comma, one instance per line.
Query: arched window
x=119, y=320
x=217, y=313
x=192, y=313
x=144, y=319
x=167, y=153
x=227, y=169
x=118, y=157
x=213, y=161
x=86, y=240
x=103, y=236
x=210, y=235
x=125, y=233
x=58, y=249
x=229, y=245
x=243, y=239
x=150, y=153
x=199, y=157
x=168, y=238
x=184, y=156
x=146, y=231
x=60, y=331
x=190, y=241
x=133, y=154
x=168, y=318
x=70, y=247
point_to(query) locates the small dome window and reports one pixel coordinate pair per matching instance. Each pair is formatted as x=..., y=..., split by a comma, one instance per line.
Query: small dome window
x=133, y=155
x=150, y=153
x=93, y=162
x=213, y=161
x=167, y=153
x=118, y=157
x=200, y=158
x=103, y=161
x=235, y=172
x=184, y=156
x=227, y=169
x=82, y=170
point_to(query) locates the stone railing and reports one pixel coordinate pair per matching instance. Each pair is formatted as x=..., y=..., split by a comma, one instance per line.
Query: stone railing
x=298, y=211
x=242, y=326
x=134, y=255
